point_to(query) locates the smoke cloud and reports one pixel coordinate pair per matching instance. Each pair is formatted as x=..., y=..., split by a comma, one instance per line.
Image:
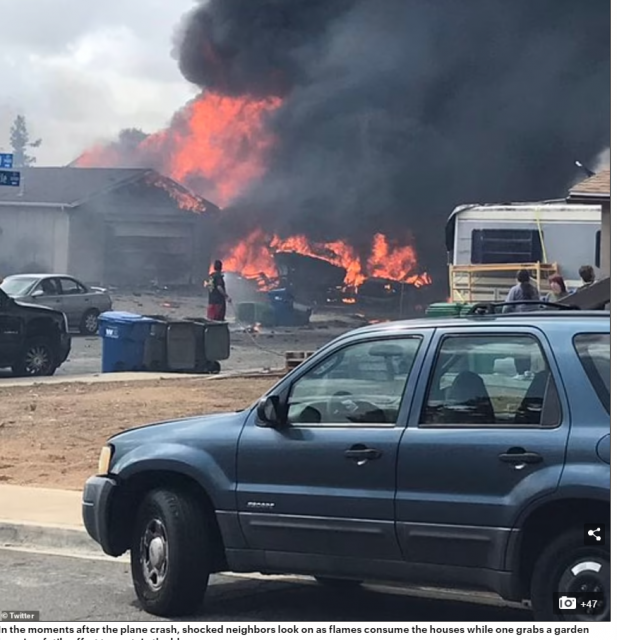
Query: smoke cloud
x=396, y=111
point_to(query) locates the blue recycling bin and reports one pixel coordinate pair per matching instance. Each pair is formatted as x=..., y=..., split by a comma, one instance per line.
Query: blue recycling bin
x=282, y=302
x=124, y=337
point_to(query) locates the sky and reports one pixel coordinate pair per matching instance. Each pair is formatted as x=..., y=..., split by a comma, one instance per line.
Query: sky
x=81, y=70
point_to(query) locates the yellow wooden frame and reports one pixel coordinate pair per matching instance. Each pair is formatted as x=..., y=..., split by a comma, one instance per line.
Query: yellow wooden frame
x=540, y=272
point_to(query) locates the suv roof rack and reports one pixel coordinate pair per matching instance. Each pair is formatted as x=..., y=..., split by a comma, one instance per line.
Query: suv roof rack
x=490, y=308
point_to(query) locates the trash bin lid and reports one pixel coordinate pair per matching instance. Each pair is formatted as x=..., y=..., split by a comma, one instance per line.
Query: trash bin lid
x=123, y=317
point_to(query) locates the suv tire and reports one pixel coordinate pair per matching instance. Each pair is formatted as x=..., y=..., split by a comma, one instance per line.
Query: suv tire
x=36, y=359
x=89, y=324
x=553, y=573
x=169, y=553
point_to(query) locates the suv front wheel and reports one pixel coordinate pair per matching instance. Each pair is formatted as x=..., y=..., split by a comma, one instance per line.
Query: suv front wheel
x=36, y=359
x=169, y=553
x=567, y=567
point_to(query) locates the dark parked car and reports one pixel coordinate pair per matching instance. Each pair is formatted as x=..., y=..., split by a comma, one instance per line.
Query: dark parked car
x=34, y=340
x=471, y=452
x=82, y=305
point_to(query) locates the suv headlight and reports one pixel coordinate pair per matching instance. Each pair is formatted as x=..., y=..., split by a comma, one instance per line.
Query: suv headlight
x=105, y=460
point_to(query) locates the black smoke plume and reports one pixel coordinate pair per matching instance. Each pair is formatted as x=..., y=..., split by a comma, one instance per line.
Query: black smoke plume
x=395, y=111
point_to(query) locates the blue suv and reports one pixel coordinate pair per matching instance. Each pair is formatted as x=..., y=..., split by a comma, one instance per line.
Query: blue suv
x=471, y=452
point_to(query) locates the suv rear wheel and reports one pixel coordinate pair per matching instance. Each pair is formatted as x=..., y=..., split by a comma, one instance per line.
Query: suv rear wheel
x=36, y=359
x=568, y=567
x=169, y=553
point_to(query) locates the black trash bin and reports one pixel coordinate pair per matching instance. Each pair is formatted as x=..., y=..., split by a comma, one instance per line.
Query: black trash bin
x=213, y=344
x=155, y=347
x=183, y=346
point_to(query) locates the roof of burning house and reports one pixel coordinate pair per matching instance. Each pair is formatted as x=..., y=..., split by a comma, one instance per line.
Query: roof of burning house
x=72, y=186
x=597, y=188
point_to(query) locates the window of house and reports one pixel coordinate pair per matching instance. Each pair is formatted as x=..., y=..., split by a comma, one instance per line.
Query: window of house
x=505, y=246
x=598, y=253
x=491, y=381
x=360, y=384
x=594, y=352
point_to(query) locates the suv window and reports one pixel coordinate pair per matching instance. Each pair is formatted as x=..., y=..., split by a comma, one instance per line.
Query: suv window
x=362, y=383
x=594, y=352
x=497, y=380
x=70, y=287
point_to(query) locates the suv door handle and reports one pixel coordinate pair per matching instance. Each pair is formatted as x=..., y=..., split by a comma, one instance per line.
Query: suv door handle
x=362, y=453
x=518, y=456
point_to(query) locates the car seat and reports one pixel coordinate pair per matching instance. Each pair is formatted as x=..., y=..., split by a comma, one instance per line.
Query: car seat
x=468, y=402
x=530, y=409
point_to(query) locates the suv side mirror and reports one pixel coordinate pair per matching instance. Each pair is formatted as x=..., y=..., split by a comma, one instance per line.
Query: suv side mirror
x=37, y=294
x=269, y=412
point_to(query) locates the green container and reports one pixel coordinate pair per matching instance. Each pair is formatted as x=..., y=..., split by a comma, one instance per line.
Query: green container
x=448, y=309
x=251, y=313
x=444, y=309
x=246, y=312
x=265, y=315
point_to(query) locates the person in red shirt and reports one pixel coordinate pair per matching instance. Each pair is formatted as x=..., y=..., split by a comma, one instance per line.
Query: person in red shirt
x=217, y=294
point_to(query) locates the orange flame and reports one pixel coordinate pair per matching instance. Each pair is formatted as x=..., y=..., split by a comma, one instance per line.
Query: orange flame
x=220, y=142
x=218, y=146
x=224, y=141
x=254, y=256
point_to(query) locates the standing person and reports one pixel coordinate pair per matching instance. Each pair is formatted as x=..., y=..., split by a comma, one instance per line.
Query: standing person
x=558, y=288
x=522, y=291
x=217, y=294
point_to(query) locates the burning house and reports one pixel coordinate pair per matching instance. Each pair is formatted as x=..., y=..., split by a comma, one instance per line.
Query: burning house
x=345, y=131
x=107, y=226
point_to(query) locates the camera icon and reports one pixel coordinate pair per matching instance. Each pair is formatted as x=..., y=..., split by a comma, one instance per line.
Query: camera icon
x=567, y=603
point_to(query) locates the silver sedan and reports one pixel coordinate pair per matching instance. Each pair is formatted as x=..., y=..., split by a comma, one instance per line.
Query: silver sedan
x=82, y=305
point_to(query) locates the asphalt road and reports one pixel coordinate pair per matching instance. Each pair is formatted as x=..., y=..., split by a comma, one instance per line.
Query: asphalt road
x=248, y=352
x=261, y=351
x=76, y=589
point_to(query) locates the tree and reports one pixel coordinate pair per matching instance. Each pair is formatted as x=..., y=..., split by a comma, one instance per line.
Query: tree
x=20, y=141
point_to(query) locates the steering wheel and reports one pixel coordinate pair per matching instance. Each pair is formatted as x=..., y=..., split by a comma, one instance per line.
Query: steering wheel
x=336, y=407
x=338, y=411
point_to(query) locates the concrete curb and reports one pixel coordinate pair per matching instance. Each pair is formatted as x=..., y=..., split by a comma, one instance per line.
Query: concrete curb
x=119, y=378
x=58, y=538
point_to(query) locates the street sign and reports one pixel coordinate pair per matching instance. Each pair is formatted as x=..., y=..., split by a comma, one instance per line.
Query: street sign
x=6, y=160
x=10, y=178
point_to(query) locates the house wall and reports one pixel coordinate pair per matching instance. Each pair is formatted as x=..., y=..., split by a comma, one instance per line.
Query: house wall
x=33, y=239
x=570, y=244
x=143, y=236
x=605, y=251
x=87, y=246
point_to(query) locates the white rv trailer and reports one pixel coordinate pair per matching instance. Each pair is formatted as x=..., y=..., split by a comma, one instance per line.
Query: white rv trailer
x=488, y=243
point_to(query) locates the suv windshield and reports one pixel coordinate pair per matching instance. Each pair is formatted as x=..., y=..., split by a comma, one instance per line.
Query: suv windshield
x=594, y=351
x=17, y=286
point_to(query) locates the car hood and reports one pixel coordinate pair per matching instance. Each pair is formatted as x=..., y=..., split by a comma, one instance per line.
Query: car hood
x=184, y=431
x=35, y=307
